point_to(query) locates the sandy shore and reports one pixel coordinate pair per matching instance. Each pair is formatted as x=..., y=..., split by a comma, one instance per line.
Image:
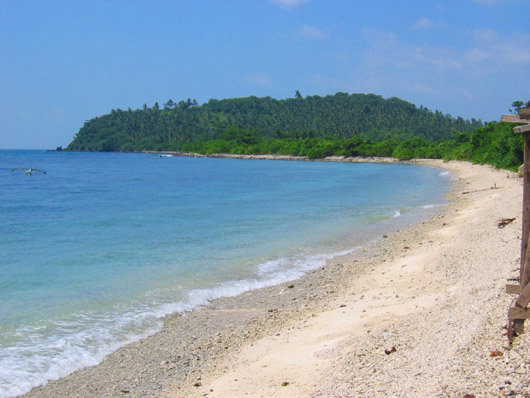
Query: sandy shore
x=417, y=314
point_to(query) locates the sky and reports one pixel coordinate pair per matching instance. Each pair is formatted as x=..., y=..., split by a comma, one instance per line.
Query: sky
x=65, y=62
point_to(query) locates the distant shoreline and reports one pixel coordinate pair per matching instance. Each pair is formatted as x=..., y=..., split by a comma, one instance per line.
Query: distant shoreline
x=346, y=159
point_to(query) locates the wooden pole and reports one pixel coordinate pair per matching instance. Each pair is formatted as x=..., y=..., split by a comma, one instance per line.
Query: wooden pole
x=518, y=324
x=525, y=254
x=517, y=312
x=526, y=210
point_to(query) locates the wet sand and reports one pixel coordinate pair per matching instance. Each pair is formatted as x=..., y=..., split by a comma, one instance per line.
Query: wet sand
x=417, y=313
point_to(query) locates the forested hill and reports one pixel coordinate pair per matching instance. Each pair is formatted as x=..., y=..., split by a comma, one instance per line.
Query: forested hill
x=176, y=125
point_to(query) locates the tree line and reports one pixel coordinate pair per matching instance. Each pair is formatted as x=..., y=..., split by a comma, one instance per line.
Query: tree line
x=176, y=126
x=494, y=144
x=343, y=125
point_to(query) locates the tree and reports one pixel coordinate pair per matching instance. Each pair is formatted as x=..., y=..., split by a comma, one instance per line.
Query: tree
x=338, y=117
x=516, y=105
x=351, y=146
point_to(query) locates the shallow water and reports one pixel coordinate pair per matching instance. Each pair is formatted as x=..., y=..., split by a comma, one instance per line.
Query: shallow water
x=94, y=252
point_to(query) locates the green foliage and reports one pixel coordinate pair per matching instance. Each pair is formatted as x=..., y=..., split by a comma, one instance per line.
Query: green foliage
x=516, y=105
x=335, y=117
x=494, y=144
x=316, y=127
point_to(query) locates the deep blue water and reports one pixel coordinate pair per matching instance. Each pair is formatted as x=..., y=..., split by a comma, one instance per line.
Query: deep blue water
x=94, y=252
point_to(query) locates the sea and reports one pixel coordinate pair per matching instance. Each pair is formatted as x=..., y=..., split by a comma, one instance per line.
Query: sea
x=97, y=250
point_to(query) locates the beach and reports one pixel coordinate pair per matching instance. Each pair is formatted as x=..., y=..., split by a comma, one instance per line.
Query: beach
x=419, y=312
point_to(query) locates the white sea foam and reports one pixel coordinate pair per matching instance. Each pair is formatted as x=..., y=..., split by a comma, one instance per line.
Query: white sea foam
x=397, y=213
x=270, y=273
x=87, y=338
x=39, y=357
x=451, y=177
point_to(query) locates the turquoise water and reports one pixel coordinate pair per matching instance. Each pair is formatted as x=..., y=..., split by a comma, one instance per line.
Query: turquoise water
x=94, y=252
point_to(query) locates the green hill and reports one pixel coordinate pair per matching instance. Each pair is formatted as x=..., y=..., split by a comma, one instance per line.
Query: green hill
x=185, y=125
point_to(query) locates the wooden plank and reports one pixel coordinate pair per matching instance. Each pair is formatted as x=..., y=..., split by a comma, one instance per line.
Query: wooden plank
x=522, y=129
x=511, y=119
x=513, y=289
x=525, y=254
x=524, y=297
x=513, y=324
x=519, y=313
x=518, y=323
x=524, y=278
x=524, y=113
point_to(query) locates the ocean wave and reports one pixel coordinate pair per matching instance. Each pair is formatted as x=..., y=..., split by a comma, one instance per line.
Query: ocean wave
x=76, y=343
x=49, y=352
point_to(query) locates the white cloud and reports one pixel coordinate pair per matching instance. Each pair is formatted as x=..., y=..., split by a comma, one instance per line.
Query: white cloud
x=485, y=51
x=260, y=79
x=386, y=49
x=450, y=77
x=483, y=63
x=289, y=3
x=477, y=55
x=486, y=2
x=311, y=32
x=492, y=53
x=440, y=91
x=423, y=23
x=440, y=58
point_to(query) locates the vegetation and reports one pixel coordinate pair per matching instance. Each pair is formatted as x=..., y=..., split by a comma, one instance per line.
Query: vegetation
x=316, y=127
x=334, y=117
x=494, y=144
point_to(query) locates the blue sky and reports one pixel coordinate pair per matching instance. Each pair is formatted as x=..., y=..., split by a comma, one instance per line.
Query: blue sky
x=64, y=62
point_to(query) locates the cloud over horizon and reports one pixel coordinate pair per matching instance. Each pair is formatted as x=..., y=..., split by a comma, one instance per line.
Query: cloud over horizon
x=441, y=72
x=423, y=23
x=260, y=79
x=311, y=32
x=289, y=3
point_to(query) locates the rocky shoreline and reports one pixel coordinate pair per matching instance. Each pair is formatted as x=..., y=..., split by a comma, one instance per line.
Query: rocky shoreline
x=417, y=313
x=347, y=159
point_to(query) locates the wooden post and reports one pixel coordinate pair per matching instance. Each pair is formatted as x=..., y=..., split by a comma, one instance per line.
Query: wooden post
x=518, y=326
x=517, y=312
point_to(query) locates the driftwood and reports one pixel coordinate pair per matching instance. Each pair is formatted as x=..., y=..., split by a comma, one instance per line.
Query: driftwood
x=504, y=222
x=481, y=190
